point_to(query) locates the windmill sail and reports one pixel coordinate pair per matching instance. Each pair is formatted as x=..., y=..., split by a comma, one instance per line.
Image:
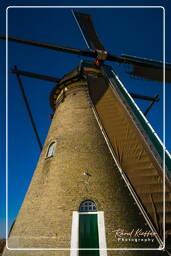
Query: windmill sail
x=85, y=23
x=148, y=69
x=136, y=148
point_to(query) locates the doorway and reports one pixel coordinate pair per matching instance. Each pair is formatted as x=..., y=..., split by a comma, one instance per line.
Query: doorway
x=88, y=234
x=88, y=229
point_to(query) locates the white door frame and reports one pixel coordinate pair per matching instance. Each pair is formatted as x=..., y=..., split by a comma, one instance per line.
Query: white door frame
x=75, y=232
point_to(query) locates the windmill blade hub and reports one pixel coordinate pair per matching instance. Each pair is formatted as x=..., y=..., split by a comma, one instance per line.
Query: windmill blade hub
x=101, y=57
x=101, y=54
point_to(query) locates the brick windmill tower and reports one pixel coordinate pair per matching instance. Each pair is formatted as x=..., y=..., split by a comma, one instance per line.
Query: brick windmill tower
x=98, y=185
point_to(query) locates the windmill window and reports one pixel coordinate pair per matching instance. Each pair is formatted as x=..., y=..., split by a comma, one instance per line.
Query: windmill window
x=88, y=206
x=51, y=150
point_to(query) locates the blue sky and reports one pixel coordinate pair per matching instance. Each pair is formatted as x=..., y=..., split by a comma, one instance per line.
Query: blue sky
x=133, y=31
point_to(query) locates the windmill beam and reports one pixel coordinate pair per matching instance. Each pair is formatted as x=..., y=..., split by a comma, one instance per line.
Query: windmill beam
x=28, y=109
x=150, y=105
x=92, y=54
x=34, y=75
x=143, y=97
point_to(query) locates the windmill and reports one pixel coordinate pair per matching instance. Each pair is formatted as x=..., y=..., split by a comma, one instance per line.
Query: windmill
x=76, y=166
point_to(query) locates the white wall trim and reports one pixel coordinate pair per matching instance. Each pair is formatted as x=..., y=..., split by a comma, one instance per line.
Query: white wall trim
x=102, y=234
x=75, y=233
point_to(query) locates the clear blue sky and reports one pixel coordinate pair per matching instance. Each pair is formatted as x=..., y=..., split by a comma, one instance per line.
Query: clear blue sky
x=136, y=32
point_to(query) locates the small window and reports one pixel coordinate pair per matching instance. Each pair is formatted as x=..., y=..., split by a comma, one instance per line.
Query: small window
x=51, y=150
x=87, y=206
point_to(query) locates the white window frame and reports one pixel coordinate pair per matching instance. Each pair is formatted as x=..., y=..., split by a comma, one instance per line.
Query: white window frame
x=75, y=233
x=47, y=152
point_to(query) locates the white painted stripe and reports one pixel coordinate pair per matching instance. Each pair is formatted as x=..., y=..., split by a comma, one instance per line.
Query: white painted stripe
x=86, y=6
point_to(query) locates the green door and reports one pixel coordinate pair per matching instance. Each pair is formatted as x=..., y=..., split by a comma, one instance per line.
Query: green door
x=88, y=234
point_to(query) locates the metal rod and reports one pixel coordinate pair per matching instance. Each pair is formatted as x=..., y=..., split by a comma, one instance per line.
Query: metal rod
x=142, y=97
x=34, y=75
x=28, y=108
x=151, y=104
